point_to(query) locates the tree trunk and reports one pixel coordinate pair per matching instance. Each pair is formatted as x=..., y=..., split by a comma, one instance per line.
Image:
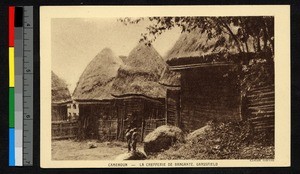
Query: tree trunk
x=247, y=49
x=254, y=47
x=258, y=44
x=265, y=39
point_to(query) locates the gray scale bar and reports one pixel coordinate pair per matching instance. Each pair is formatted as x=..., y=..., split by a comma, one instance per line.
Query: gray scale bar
x=28, y=17
x=28, y=50
x=28, y=96
x=28, y=143
x=18, y=96
x=28, y=87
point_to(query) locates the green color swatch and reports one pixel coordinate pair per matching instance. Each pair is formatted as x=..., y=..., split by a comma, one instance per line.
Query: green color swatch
x=11, y=107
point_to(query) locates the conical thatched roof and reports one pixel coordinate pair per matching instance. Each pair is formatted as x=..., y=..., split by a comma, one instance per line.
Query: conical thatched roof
x=145, y=58
x=59, y=90
x=195, y=47
x=141, y=73
x=96, y=80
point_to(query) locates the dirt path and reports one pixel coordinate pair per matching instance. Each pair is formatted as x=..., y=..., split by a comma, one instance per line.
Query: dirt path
x=72, y=150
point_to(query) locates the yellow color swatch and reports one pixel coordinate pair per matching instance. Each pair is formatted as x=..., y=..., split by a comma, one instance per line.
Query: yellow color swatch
x=11, y=67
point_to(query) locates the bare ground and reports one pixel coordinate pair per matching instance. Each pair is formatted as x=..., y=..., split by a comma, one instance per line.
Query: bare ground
x=79, y=150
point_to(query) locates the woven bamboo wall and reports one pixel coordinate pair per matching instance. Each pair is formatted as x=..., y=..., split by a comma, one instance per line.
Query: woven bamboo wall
x=64, y=130
x=59, y=112
x=261, y=107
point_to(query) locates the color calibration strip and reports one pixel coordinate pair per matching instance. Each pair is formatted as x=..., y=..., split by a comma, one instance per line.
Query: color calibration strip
x=11, y=25
x=20, y=86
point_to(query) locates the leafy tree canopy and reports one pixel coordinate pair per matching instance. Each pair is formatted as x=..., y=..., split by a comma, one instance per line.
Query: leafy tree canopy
x=240, y=29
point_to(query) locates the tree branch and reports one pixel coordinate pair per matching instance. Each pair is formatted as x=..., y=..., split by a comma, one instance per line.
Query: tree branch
x=231, y=33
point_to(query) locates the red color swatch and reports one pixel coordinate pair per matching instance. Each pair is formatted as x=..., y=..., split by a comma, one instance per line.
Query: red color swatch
x=11, y=26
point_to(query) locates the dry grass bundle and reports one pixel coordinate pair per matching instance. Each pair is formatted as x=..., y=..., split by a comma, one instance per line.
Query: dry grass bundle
x=59, y=89
x=137, y=155
x=162, y=138
x=165, y=130
x=199, y=133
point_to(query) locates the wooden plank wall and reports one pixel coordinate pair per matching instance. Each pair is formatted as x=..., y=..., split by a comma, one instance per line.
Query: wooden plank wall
x=144, y=110
x=108, y=129
x=127, y=107
x=109, y=121
x=208, y=94
x=59, y=113
x=64, y=130
x=173, y=106
x=89, y=116
x=261, y=107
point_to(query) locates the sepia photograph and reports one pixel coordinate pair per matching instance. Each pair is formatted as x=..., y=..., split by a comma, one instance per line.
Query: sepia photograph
x=163, y=90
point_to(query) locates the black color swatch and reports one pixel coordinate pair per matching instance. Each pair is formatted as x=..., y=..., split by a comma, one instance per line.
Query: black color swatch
x=18, y=16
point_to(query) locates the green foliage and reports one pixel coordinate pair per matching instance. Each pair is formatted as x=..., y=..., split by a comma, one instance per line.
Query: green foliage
x=225, y=139
x=240, y=29
x=254, y=69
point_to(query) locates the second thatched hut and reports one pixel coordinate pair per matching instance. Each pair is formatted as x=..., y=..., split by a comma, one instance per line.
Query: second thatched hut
x=60, y=97
x=140, y=98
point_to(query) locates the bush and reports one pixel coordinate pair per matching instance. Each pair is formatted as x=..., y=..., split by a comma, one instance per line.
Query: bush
x=225, y=140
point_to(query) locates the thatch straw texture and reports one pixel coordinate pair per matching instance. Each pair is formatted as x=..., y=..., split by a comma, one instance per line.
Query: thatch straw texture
x=170, y=78
x=199, y=133
x=145, y=58
x=195, y=46
x=96, y=80
x=59, y=90
x=140, y=74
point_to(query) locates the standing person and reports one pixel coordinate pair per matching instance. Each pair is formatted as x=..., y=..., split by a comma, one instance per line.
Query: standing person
x=128, y=135
x=134, y=139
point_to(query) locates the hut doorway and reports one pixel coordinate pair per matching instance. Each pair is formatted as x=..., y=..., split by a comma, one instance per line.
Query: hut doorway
x=88, y=122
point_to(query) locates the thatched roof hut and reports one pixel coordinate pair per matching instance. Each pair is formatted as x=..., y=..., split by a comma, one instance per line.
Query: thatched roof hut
x=196, y=47
x=96, y=80
x=208, y=89
x=59, y=90
x=140, y=74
